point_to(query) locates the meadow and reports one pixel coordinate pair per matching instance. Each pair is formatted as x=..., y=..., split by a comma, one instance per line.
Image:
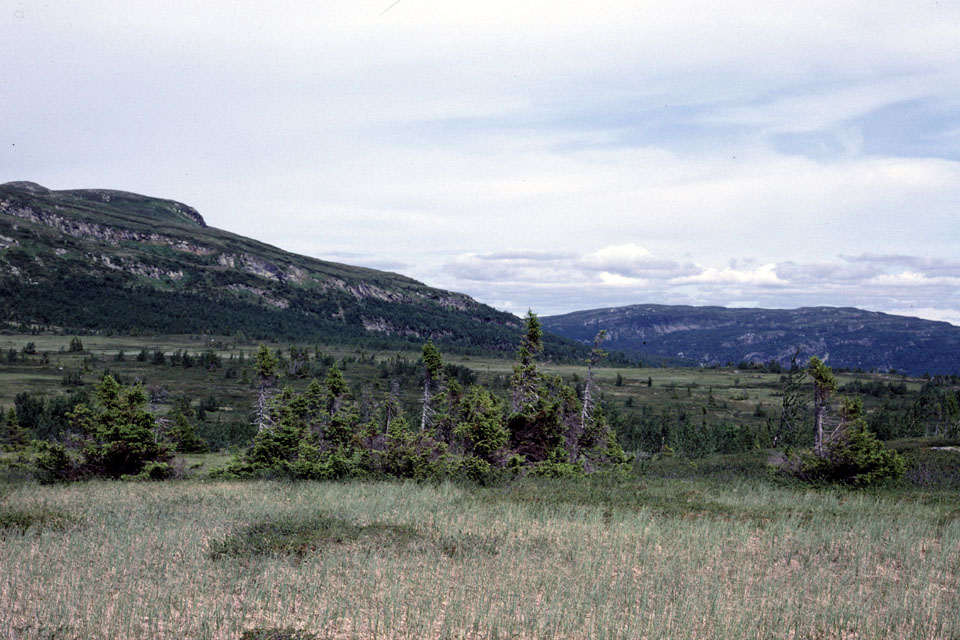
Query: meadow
x=725, y=555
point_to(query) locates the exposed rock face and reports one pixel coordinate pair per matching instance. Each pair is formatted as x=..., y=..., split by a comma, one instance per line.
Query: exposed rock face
x=138, y=268
x=112, y=235
x=7, y=242
x=363, y=291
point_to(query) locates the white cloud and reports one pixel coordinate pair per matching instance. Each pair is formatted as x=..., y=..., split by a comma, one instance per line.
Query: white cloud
x=912, y=279
x=617, y=280
x=763, y=275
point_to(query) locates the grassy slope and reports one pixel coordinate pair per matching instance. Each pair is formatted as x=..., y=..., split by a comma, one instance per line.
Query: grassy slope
x=672, y=559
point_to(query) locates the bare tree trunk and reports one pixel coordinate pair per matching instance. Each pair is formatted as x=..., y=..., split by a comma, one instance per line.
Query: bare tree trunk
x=426, y=417
x=819, y=411
x=595, y=356
x=263, y=415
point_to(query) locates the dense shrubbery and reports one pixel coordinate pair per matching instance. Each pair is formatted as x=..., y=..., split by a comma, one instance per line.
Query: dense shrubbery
x=113, y=438
x=857, y=459
x=469, y=433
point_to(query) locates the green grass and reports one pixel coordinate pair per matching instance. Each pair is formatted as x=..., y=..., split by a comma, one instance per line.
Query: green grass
x=650, y=557
x=35, y=518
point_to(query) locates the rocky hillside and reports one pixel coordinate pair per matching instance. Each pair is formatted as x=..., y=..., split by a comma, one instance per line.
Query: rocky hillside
x=843, y=337
x=116, y=261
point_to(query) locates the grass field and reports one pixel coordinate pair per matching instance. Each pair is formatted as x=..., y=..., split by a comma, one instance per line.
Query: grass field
x=638, y=557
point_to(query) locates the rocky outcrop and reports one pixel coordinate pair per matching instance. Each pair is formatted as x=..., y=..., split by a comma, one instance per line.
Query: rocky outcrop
x=263, y=294
x=7, y=242
x=138, y=268
x=363, y=290
x=111, y=235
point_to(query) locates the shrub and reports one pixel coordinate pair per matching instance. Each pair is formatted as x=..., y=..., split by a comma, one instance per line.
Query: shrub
x=54, y=463
x=117, y=438
x=858, y=458
x=184, y=436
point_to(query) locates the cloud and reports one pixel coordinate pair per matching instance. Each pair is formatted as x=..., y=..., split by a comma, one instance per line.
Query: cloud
x=763, y=275
x=630, y=261
x=912, y=279
x=568, y=283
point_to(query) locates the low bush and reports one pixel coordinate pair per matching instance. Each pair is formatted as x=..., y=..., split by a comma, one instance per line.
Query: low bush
x=857, y=459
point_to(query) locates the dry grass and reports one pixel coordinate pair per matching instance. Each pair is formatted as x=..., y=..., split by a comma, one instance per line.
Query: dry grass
x=140, y=565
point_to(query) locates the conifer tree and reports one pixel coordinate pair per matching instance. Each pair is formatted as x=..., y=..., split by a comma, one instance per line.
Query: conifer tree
x=11, y=433
x=432, y=377
x=527, y=380
x=184, y=436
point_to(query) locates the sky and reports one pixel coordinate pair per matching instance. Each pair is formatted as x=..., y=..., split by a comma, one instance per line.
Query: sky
x=552, y=156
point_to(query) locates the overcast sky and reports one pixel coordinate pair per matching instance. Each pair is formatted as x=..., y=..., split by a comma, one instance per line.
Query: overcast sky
x=552, y=155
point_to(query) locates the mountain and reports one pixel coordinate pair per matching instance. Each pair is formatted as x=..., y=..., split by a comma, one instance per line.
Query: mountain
x=843, y=337
x=114, y=261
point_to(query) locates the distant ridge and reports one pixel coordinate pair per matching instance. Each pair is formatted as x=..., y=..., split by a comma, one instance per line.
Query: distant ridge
x=844, y=337
x=106, y=260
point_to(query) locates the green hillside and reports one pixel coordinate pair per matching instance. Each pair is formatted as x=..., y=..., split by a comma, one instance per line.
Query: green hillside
x=112, y=261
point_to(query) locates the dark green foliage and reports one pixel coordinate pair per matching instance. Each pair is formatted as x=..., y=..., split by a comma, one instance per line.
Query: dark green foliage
x=11, y=433
x=223, y=434
x=184, y=436
x=481, y=426
x=55, y=463
x=320, y=434
x=75, y=344
x=432, y=361
x=153, y=471
x=857, y=459
x=116, y=438
x=47, y=420
x=557, y=465
x=120, y=432
x=29, y=411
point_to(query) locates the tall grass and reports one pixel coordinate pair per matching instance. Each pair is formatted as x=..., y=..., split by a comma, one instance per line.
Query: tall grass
x=536, y=560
